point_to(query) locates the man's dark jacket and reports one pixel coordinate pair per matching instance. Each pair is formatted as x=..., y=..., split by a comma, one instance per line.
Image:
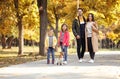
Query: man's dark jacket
x=76, y=28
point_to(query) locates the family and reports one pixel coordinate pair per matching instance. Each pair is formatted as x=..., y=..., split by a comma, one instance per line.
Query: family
x=86, y=34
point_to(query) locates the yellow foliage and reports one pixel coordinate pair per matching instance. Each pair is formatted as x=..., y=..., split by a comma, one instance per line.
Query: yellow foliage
x=107, y=12
x=112, y=35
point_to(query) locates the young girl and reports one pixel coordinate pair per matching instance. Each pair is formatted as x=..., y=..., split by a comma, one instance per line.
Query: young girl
x=63, y=41
x=50, y=43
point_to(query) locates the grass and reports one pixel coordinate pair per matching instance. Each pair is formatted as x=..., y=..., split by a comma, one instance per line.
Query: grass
x=10, y=56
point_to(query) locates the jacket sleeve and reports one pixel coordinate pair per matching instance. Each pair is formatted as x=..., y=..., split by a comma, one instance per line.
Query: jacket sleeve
x=95, y=28
x=55, y=42
x=68, y=37
x=74, y=28
x=46, y=40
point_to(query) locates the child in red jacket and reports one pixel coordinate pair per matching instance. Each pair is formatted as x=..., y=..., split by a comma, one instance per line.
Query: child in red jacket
x=63, y=41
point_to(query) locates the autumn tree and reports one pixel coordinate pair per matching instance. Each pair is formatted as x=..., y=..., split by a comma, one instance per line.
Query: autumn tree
x=20, y=27
x=42, y=6
x=25, y=14
x=58, y=13
x=32, y=16
x=7, y=22
x=55, y=13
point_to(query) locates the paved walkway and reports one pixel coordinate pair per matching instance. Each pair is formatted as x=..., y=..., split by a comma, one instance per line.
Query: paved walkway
x=106, y=66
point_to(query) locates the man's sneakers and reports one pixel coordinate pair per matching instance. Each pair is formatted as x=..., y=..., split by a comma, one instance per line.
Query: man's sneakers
x=91, y=61
x=80, y=60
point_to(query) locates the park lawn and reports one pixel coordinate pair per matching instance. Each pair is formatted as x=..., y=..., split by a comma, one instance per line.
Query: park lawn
x=10, y=57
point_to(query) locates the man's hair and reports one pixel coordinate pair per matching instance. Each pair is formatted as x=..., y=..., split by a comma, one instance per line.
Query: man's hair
x=80, y=9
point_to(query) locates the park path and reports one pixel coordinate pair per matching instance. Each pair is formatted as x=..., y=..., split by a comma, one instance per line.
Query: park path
x=106, y=66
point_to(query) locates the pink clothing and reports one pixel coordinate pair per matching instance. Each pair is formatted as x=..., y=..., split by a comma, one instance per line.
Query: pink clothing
x=66, y=38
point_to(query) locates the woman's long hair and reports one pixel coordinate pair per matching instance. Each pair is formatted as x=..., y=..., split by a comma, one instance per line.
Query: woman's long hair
x=92, y=17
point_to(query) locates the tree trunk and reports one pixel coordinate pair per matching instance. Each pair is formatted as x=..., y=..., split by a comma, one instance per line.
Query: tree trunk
x=9, y=42
x=56, y=31
x=20, y=27
x=57, y=21
x=3, y=40
x=42, y=5
x=21, y=39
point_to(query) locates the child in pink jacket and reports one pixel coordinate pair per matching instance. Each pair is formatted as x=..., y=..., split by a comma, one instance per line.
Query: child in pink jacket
x=63, y=41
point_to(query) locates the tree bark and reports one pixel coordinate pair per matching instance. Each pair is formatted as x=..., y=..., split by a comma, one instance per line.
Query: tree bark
x=21, y=39
x=3, y=40
x=56, y=31
x=42, y=6
x=9, y=42
x=20, y=27
x=57, y=21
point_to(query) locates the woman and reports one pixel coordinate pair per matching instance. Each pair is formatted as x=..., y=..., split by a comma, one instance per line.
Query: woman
x=91, y=36
x=63, y=41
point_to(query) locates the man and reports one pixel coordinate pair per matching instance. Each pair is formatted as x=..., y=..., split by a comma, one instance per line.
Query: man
x=78, y=28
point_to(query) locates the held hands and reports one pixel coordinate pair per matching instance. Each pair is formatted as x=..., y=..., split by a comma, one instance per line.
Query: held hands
x=62, y=45
x=78, y=37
